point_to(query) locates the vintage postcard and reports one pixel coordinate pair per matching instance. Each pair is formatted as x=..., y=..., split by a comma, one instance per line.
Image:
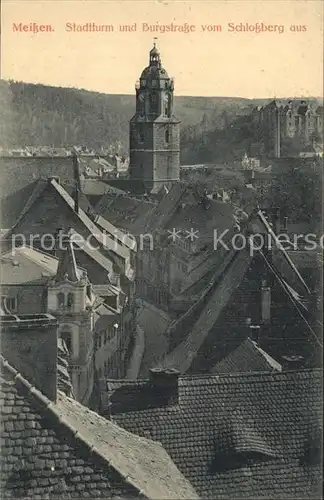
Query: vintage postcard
x=161, y=169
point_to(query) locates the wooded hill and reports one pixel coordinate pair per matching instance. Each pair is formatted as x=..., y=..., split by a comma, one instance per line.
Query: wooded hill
x=35, y=115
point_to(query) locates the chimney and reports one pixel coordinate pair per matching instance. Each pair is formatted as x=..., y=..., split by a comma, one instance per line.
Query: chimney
x=265, y=302
x=166, y=382
x=275, y=219
x=29, y=344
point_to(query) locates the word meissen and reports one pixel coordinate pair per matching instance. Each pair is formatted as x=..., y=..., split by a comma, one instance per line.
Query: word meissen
x=32, y=27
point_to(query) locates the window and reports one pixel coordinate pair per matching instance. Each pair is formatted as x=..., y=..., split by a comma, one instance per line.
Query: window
x=70, y=300
x=167, y=136
x=66, y=337
x=166, y=84
x=141, y=135
x=154, y=102
x=10, y=304
x=60, y=300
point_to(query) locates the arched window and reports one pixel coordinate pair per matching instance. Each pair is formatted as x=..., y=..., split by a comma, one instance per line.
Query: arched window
x=141, y=135
x=60, y=300
x=67, y=338
x=167, y=104
x=70, y=300
x=167, y=136
x=154, y=102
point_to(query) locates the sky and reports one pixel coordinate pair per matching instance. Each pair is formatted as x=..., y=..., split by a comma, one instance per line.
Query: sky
x=204, y=63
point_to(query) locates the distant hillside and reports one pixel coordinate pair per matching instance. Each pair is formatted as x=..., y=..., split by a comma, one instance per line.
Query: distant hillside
x=34, y=114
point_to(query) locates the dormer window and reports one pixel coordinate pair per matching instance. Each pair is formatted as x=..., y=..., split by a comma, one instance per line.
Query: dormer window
x=239, y=444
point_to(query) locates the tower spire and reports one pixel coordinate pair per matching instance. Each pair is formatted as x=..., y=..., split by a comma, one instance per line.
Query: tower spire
x=67, y=266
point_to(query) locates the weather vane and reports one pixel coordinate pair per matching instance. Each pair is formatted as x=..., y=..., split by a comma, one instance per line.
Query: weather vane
x=154, y=41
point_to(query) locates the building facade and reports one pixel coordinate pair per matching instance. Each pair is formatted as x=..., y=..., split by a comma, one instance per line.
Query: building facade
x=154, y=130
x=286, y=121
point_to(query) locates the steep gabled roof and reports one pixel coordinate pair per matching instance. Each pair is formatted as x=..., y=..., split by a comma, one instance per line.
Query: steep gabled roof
x=212, y=301
x=264, y=424
x=104, y=240
x=121, y=236
x=247, y=357
x=16, y=204
x=126, y=212
x=64, y=450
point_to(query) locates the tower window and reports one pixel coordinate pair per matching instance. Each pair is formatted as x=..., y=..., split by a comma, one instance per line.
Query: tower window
x=154, y=102
x=167, y=136
x=141, y=135
x=60, y=300
x=166, y=84
x=70, y=300
x=66, y=337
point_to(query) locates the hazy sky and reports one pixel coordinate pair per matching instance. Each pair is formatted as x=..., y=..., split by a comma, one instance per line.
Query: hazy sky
x=215, y=63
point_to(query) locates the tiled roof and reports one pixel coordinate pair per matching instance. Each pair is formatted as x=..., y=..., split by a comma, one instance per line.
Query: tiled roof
x=247, y=357
x=121, y=236
x=155, y=324
x=203, y=315
x=18, y=172
x=104, y=240
x=97, y=187
x=126, y=212
x=92, y=252
x=188, y=334
x=16, y=204
x=215, y=216
x=64, y=450
x=240, y=435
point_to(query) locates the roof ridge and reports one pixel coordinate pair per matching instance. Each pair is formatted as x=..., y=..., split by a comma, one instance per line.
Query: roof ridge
x=280, y=247
x=216, y=376
x=47, y=405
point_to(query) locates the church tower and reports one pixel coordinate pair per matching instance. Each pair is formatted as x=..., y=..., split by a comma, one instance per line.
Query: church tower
x=70, y=300
x=154, y=130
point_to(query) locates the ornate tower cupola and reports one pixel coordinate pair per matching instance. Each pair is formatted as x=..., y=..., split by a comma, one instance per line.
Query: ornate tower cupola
x=154, y=130
x=155, y=59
